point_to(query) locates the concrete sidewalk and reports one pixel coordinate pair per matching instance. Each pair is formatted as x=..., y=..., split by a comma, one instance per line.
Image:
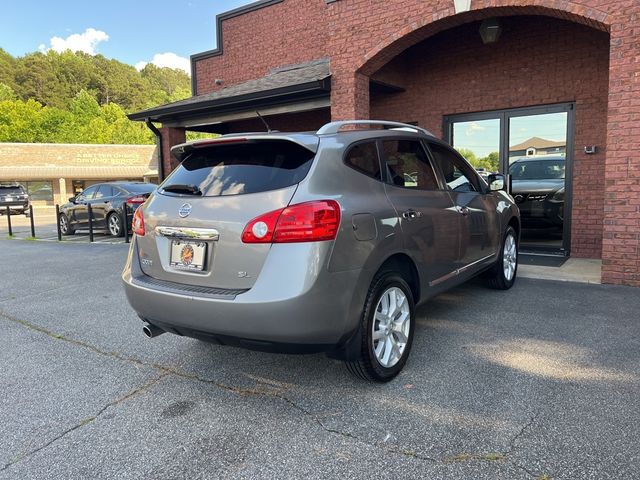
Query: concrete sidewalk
x=579, y=270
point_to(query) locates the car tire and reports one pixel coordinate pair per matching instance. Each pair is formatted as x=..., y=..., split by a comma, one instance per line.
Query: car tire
x=502, y=275
x=65, y=227
x=114, y=225
x=382, y=358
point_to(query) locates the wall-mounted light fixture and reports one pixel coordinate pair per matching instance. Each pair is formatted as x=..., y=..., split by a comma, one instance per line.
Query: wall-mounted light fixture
x=490, y=30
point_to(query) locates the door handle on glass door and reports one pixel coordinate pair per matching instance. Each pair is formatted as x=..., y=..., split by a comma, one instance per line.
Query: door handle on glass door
x=411, y=214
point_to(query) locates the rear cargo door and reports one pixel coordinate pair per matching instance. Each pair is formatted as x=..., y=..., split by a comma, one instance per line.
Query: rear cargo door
x=195, y=220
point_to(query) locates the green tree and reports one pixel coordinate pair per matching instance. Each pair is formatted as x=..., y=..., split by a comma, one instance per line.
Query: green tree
x=7, y=93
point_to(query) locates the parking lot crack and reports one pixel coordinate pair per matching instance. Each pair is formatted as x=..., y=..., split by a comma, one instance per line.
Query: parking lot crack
x=86, y=421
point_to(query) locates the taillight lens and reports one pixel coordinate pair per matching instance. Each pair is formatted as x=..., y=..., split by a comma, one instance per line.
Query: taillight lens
x=304, y=222
x=137, y=225
x=137, y=200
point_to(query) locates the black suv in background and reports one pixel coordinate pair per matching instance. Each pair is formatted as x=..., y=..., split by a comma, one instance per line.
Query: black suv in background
x=15, y=197
x=108, y=203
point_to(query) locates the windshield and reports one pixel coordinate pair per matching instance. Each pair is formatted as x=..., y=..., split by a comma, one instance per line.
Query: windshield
x=537, y=170
x=237, y=169
x=11, y=190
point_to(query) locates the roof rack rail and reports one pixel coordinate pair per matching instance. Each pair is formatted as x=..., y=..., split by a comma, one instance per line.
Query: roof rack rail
x=334, y=127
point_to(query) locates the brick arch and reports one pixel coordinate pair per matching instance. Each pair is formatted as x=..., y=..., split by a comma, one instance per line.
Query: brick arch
x=399, y=40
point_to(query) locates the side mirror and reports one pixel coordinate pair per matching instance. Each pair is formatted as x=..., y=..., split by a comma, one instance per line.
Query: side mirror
x=496, y=182
x=72, y=199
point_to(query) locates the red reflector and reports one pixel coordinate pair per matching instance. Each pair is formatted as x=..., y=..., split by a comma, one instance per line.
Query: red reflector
x=304, y=222
x=136, y=200
x=137, y=225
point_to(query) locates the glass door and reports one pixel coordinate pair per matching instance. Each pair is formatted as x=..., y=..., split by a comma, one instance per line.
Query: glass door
x=537, y=165
x=530, y=145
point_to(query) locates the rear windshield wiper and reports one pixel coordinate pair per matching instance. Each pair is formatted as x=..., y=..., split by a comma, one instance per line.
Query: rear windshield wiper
x=181, y=188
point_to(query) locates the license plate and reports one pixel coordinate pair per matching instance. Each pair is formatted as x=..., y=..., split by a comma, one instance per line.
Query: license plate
x=188, y=255
x=9, y=199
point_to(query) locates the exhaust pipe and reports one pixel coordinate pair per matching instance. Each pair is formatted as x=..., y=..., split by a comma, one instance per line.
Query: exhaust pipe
x=152, y=331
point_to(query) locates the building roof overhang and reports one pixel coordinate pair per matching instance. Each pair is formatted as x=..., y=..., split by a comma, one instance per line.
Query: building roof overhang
x=291, y=85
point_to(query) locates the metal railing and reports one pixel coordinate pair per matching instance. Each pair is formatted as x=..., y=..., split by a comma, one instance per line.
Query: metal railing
x=124, y=216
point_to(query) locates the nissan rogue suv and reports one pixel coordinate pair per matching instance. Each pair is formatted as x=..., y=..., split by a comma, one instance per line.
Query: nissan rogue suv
x=324, y=241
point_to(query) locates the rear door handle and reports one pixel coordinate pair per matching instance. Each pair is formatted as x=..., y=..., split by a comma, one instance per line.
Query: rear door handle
x=462, y=210
x=411, y=214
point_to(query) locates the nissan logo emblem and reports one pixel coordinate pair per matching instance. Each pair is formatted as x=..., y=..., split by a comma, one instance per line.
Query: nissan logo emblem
x=184, y=210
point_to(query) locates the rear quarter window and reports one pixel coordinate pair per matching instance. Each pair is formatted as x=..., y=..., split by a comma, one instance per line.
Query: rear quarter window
x=243, y=168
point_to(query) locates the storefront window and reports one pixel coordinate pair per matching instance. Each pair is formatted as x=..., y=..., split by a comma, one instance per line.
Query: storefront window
x=41, y=190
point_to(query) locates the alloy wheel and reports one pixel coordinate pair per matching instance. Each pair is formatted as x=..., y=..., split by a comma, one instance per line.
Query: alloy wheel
x=391, y=326
x=114, y=225
x=509, y=257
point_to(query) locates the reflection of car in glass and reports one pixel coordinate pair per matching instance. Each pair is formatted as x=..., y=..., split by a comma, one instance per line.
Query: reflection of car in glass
x=538, y=189
x=15, y=197
x=316, y=241
x=108, y=202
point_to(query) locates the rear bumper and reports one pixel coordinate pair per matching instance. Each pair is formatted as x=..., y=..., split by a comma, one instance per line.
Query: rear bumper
x=283, y=307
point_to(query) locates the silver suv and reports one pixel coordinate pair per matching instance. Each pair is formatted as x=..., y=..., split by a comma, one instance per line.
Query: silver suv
x=325, y=241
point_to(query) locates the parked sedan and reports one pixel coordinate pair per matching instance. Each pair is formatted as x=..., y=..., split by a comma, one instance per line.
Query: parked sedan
x=316, y=242
x=108, y=203
x=15, y=197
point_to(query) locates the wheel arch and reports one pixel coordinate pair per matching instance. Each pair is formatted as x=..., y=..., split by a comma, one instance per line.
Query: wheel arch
x=403, y=264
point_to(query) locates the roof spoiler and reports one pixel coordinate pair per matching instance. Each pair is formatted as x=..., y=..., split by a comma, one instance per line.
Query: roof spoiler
x=334, y=127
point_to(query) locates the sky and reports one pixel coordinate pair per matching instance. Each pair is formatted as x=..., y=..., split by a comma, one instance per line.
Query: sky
x=164, y=32
x=483, y=136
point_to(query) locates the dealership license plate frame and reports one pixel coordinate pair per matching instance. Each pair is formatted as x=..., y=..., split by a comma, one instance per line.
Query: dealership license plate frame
x=199, y=257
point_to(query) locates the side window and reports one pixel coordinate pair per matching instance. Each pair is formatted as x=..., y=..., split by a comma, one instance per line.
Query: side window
x=87, y=194
x=458, y=175
x=408, y=166
x=363, y=158
x=104, y=191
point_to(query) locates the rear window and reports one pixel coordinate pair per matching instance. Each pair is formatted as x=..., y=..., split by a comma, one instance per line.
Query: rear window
x=139, y=187
x=237, y=169
x=11, y=190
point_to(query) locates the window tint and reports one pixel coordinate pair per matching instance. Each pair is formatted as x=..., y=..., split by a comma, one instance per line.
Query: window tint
x=457, y=174
x=140, y=187
x=87, y=194
x=537, y=169
x=236, y=169
x=104, y=191
x=363, y=158
x=407, y=165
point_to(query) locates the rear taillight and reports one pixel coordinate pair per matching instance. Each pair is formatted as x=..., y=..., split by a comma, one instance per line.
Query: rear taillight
x=137, y=225
x=137, y=200
x=304, y=222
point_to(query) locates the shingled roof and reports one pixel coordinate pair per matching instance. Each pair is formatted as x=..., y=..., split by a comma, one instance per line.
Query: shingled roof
x=307, y=80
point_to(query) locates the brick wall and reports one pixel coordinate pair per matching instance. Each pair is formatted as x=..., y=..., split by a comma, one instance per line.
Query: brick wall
x=282, y=34
x=453, y=72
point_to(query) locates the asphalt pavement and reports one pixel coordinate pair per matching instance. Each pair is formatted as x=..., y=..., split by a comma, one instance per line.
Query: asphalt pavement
x=542, y=381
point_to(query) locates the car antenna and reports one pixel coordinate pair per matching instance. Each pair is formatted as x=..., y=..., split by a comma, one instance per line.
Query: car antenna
x=263, y=121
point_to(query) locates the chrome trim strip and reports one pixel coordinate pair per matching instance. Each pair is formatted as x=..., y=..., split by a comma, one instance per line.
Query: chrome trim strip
x=457, y=272
x=189, y=233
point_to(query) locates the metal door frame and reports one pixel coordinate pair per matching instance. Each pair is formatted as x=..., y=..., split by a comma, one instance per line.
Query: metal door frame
x=505, y=116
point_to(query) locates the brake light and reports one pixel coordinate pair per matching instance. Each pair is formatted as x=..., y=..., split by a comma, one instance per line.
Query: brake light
x=137, y=200
x=137, y=225
x=304, y=222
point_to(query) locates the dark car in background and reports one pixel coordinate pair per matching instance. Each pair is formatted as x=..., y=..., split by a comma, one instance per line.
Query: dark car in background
x=108, y=201
x=538, y=189
x=14, y=196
